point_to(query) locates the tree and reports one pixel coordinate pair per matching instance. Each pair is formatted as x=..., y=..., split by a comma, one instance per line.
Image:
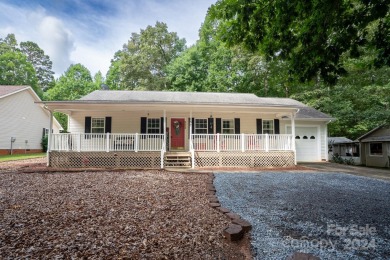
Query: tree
x=41, y=62
x=16, y=70
x=142, y=61
x=210, y=65
x=8, y=44
x=73, y=84
x=311, y=35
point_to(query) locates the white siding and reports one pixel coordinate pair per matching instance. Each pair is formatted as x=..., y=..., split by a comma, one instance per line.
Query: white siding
x=21, y=118
x=322, y=132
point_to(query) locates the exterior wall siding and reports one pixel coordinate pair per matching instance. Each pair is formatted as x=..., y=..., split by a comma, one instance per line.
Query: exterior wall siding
x=377, y=160
x=21, y=118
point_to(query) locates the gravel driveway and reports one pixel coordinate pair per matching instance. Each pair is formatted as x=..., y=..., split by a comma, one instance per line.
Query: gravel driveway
x=330, y=215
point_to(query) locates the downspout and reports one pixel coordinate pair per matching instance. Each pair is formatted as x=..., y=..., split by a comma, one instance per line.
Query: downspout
x=50, y=135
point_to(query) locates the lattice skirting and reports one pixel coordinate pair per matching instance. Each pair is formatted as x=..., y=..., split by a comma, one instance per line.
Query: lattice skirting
x=150, y=160
x=246, y=159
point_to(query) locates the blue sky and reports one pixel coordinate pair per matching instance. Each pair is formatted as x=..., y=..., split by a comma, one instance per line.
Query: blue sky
x=91, y=31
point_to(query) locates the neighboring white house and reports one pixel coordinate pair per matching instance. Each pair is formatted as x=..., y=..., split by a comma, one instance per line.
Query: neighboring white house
x=151, y=129
x=22, y=121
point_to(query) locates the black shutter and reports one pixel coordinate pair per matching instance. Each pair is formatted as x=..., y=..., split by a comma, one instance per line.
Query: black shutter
x=210, y=125
x=87, y=128
x=218, y=125
x=277, y=127
x=143, y=125
x=44, y=132
x=192, y=120
x=237, y=125
x=162, y=125
x=259, y=126
x=108, y=124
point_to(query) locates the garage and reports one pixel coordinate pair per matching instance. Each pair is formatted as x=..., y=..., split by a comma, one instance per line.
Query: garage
x=307, y=143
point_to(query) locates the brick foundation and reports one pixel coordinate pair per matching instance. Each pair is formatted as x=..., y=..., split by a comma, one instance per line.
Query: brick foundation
x=19, y=151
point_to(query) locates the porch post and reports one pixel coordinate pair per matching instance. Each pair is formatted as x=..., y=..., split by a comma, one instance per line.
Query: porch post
x=107, y=142
x=192, y=144
x=49, y=138
x=293, y=137
x=165, y=129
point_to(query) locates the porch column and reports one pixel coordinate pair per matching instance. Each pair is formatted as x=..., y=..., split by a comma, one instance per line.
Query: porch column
x=165, y=130
x=192, y=144
x=49, y=138
x=293, y=137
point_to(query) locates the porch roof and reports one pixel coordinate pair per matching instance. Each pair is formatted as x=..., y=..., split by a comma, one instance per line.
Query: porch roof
x=105, y=98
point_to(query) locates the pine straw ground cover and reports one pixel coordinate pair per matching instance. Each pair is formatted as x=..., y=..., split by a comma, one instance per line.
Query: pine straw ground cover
x=131, y=214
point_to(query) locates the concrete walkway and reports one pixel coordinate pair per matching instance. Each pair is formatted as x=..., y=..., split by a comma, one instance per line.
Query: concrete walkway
x=378, y=173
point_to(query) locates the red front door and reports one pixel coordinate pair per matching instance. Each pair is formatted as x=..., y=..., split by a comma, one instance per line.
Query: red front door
x=177, y=133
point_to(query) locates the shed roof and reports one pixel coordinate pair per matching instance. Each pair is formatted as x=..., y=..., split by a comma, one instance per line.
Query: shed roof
x=339, y=140
x=371, y=137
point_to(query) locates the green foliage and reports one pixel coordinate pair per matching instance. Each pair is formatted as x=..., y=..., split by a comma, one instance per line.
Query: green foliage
x=63, y=120
x=210, y=65
x=44, y=143
x=16, y=70
x=141, y=64
x=41, y=63
x=75, y=83
x=311, y=36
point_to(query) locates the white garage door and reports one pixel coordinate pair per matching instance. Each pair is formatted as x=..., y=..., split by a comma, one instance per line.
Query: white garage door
x=307, y=144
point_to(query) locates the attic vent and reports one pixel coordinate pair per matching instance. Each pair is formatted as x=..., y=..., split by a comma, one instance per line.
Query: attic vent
x=104, y=87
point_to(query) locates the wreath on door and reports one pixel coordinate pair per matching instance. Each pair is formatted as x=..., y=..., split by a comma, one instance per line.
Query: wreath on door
x=176, y=124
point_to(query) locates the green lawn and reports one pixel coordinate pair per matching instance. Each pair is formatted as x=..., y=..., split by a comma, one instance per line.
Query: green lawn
x=15, y=157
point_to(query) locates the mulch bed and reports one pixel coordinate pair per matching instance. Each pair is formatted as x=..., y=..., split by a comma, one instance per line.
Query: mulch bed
x=129, y=214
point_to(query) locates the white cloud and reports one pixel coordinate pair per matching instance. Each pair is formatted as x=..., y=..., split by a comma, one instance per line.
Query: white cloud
x=57, y=42
x=91, y=35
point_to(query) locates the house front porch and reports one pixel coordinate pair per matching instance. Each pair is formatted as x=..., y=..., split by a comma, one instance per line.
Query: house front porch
x=135, y=150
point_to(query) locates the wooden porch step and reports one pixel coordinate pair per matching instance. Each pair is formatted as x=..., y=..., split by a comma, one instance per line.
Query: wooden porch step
x=177, y=159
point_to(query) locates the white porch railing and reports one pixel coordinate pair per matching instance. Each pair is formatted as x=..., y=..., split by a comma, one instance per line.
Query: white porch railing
x=107, y=142
x=242, y=142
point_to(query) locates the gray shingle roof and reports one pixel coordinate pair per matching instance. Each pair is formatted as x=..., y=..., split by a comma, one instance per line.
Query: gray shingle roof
x=9, y=89
x=199, y=98
x=339, y=140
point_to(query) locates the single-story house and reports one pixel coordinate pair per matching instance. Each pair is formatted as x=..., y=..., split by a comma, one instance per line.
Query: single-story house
x=375, y=147
x=152, y=129
x=345, y=148
x=22, y=123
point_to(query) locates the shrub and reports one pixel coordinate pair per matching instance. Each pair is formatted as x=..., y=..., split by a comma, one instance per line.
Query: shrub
x=44, y=143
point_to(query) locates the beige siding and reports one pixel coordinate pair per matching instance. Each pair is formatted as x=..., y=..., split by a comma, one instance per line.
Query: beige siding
x=21, y=118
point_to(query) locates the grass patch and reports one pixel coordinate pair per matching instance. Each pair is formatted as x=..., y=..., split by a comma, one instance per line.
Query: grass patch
x=16, y=157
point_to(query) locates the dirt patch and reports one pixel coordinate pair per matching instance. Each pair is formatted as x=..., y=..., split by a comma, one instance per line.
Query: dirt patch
x=129, y=214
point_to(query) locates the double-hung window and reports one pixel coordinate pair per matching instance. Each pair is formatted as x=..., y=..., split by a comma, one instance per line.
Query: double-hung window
x=268, y=127
x=97, y=125
x=153, y=126
x=200, y=126
x=227, y=126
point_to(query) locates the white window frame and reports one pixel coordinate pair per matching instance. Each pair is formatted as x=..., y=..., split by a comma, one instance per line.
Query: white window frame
x=267, y=130
x=376, y=154
x=94, y=128
x=231, y=129
x=156, y=129
x=200, y=130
